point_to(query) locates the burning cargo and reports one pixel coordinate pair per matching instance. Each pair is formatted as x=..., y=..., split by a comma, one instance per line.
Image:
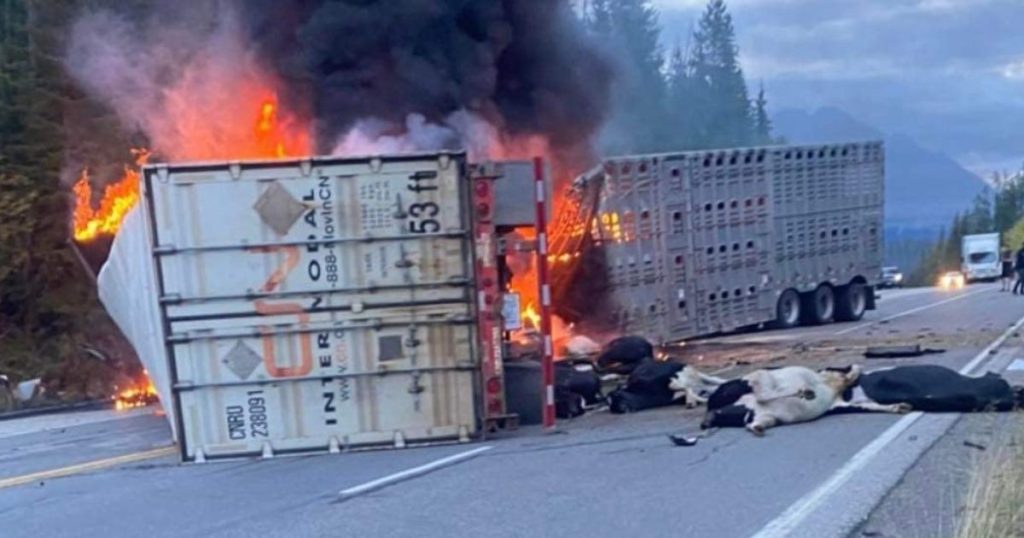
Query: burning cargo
x=319, y=303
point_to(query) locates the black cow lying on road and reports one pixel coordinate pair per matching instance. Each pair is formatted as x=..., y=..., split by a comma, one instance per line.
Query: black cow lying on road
x=650, y=383
x=576, y=387
x=930, y=388
x=658, y=383
x=623, y=355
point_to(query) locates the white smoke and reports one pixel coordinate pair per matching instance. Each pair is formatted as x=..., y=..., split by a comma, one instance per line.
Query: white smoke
x=193, y=89
x=461, y=130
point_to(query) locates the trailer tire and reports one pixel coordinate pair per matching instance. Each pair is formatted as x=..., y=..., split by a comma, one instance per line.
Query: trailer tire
x=788, y=310
x=819, y=306
x=852, y=302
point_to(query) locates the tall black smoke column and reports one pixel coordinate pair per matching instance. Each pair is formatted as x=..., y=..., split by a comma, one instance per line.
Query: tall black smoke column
x=524, y=66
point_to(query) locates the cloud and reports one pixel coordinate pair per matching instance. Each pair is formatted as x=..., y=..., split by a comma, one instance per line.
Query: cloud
x=1013, y=70
x=946, y=72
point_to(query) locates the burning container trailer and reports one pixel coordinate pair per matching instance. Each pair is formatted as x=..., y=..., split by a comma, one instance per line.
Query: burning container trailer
x=320, y=304
x=703, y=242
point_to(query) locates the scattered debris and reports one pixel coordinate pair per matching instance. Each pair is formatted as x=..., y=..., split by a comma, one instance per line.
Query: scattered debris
x=974, y=445
x=680, y=440
x=896, y=352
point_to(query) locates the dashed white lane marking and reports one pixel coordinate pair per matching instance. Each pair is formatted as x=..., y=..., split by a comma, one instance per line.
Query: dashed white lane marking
x=414, y=472
x=909, y=312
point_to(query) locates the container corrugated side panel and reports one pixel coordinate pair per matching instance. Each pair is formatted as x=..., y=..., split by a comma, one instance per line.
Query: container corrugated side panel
x=317, y=304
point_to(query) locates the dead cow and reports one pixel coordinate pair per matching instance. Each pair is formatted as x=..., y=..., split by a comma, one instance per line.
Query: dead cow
x=769, y=397
x=657, y=384
x=930, y=388
x=622, y=355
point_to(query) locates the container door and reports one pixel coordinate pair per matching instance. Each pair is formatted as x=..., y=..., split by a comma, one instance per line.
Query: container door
x=317, y=305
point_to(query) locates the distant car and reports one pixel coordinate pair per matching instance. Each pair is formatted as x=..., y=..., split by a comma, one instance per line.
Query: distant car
x=952, y=280
x=891, y=278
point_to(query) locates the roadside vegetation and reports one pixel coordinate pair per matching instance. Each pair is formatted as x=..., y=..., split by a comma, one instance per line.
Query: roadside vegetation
x=994, y=504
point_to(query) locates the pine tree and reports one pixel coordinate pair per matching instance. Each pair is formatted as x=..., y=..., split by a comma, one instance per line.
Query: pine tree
x=762, y=123
x=44, y=302
x=715, y=66
x=979, y=219
x=1008, y=204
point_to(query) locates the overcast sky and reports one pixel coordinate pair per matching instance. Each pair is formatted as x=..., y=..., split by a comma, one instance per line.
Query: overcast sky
x=949, y=73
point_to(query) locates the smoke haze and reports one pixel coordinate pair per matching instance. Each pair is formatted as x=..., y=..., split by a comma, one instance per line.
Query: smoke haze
x=494, y=77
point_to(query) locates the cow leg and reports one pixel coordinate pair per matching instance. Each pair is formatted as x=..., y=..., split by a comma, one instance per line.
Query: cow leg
x=874, y=407
x=710, y=379
x=761, y=423
x=693, y=399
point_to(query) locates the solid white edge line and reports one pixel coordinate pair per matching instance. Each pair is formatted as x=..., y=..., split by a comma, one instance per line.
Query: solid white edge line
x=908, y=312
x=786, y=523
x=411, y=473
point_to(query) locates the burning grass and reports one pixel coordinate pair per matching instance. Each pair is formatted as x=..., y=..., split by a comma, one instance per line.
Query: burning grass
x=139, y=394
x=994, y=505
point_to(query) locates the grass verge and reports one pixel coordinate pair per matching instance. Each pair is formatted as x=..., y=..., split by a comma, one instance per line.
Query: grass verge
x=994, y=505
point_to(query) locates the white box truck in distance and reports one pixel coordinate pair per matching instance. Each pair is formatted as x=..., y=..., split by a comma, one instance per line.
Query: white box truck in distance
x=979, y=257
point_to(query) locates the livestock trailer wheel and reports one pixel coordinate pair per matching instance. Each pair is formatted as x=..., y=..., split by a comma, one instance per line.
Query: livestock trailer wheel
x=852, y=302
x=787, y=311
x=819, y=306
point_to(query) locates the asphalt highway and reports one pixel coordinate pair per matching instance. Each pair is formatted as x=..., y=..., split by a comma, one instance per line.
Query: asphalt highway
x=107, y=473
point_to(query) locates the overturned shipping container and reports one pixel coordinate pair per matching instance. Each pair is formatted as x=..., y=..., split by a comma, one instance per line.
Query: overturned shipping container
x=315, y=304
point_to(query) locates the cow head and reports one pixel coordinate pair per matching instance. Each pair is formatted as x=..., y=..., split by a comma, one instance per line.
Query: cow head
x=840, y=379
x=728, y=393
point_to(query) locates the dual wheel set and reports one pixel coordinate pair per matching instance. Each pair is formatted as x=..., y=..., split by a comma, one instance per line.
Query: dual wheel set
x=823, y=305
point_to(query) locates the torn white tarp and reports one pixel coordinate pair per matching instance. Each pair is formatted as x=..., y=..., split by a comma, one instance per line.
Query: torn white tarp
x=129, y=291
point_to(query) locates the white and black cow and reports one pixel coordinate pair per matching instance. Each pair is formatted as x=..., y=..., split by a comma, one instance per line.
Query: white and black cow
x=929, y=388
x=766, y=398
x=660, y=383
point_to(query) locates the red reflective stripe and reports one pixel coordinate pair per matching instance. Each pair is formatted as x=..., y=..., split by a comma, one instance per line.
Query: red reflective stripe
x=547, y=360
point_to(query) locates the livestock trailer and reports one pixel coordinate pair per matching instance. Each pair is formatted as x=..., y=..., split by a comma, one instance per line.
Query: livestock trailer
x=702, y=242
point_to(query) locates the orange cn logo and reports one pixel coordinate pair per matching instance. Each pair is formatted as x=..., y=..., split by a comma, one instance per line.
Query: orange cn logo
x=291, y=261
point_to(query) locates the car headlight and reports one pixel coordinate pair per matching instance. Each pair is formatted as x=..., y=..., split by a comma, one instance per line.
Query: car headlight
x=898, y=277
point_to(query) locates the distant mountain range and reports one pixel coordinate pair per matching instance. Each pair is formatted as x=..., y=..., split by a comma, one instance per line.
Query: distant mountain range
x=923, y=189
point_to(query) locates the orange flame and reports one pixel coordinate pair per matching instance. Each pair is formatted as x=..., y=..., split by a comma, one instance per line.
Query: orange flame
x=118, y=198
x=268, y=139
x=137, y=396
x=530, y=315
